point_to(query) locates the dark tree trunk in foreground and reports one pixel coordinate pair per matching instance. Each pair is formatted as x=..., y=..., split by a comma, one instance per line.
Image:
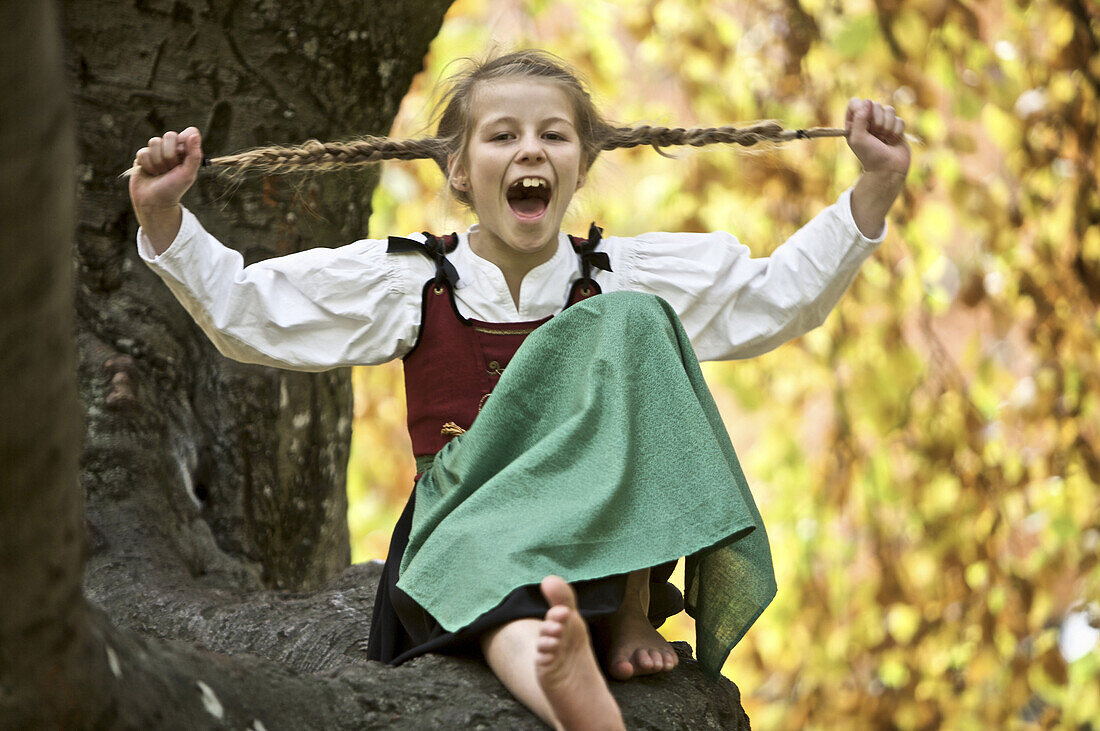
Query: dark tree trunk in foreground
x=213, y=542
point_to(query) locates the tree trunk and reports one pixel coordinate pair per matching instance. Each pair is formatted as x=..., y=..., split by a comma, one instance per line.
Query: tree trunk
x=216, y=560
x=40, y=521
x=251, y=460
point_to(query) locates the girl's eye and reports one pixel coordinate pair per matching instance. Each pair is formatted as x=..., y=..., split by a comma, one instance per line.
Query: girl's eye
x=501, y=136
x=554, y=136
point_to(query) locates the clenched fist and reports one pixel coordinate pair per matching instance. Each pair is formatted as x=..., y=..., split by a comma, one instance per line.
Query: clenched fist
x=877, y=137
x=165, y=170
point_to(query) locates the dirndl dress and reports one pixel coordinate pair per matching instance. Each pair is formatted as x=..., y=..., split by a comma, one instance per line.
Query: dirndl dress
x=599, y=452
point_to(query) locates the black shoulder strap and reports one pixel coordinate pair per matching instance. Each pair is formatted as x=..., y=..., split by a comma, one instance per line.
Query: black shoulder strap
x=586, y=249
x=435, y=248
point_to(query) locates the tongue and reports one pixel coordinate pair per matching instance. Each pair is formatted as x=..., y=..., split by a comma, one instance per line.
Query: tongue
x=528, y=206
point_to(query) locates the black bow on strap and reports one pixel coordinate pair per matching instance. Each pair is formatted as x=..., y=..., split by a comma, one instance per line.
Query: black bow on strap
x=434, y=248
x=589, y=256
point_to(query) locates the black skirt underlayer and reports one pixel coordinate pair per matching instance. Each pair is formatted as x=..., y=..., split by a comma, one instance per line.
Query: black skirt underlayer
x=401, y=629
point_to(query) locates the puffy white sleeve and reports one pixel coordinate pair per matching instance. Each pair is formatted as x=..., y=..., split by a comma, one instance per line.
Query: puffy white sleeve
x=734, y=306
x=309, y=311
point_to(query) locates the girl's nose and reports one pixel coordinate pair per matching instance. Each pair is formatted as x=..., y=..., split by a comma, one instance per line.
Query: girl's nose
x=531, y=150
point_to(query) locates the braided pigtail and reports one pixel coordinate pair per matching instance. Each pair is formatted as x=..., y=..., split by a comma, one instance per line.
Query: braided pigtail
x=658, y=137
x=315, y=156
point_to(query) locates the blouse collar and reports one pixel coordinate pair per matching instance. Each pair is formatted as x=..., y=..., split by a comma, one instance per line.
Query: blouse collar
x=542, y=287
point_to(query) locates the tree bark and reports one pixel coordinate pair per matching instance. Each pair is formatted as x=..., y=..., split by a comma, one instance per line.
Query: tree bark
x=255, y=456
x=214, y=549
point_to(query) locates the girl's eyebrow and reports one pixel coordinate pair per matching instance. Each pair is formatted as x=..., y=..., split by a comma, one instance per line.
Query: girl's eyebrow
x=513, y=120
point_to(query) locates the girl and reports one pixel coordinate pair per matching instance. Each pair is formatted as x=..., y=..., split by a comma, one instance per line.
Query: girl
x=561, y=504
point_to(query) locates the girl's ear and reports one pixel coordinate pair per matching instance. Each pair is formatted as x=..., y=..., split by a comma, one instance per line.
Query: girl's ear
x=458, y=178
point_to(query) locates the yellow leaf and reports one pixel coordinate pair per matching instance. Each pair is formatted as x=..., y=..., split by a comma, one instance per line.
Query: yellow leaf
x=977, y=575
x=902, y=621
x=1002, y=128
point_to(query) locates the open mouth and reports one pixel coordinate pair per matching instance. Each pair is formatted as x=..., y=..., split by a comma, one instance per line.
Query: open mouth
x=529, y=198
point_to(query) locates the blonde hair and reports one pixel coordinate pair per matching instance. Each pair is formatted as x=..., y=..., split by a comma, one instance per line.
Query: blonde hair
x=457, y=117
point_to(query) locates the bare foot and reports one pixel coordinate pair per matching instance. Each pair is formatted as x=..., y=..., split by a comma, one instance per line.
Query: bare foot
x=566, y=666
x=634, y=647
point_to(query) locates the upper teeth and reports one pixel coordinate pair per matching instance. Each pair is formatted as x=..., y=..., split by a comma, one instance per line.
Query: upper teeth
x=532, y=182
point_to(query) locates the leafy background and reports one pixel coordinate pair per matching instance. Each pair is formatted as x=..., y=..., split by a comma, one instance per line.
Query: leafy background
x=927, y=461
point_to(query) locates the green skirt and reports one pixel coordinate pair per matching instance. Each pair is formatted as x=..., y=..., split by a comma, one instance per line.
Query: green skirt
x=600, y=452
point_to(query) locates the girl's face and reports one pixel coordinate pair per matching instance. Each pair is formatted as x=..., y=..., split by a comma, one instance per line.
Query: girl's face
x=523, y=163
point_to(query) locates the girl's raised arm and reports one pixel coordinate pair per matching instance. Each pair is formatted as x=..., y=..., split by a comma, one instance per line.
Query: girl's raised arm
x=317, y=309
x=736, y=306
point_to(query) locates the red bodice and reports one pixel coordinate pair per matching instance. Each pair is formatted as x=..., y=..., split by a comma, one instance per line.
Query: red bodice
x=456, y=362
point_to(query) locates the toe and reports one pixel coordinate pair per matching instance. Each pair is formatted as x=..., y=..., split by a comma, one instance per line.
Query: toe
x=557, y=616
x=551, y=629
x=558, y=593
x=621, y=670
x=547, y=644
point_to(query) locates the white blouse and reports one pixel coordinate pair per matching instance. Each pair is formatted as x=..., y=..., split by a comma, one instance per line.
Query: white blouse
x=357, y=305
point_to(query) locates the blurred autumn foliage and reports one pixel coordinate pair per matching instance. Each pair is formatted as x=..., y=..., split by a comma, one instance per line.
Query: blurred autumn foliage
x=927, y=461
